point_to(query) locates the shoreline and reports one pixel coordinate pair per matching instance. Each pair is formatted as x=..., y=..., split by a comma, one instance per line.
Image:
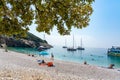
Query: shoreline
x=91, y=58
x=67, y=61
x=22, y=64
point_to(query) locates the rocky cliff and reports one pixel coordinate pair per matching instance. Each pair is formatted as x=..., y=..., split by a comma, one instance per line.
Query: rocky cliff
x=29, y=41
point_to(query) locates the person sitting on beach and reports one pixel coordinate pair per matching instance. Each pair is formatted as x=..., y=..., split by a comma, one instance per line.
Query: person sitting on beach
x=85, y=62
x=43, y=61
x=111, y=66
x=28, y=54
x=33, y=55
x=52, y=56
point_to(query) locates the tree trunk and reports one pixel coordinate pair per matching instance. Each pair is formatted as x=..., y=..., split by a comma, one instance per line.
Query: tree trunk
x=5, y=45
x=6, y=50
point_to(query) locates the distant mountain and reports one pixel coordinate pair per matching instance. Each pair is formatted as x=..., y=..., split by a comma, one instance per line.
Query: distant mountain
x=29, y=41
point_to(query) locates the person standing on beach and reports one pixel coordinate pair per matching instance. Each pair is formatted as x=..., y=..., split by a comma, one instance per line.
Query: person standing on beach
x=52, y=56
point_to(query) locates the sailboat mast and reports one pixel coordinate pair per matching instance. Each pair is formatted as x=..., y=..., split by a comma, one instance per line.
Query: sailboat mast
x=65, y=42
x=81, y=42
x=73, y=41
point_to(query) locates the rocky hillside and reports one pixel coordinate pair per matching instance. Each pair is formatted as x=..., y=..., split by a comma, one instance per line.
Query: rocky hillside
x=29, y=41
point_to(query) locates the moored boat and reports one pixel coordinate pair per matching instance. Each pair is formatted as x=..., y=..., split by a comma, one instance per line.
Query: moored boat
x=42, y=48
x=114, y=51
x=80, y=47
x=65, y=44
x=71, y=49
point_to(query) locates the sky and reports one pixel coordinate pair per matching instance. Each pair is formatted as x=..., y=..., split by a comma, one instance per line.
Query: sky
x=103, y=30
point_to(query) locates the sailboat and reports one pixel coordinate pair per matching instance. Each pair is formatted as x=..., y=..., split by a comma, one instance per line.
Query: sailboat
x=80, y=47
x=65, y=44
x=72, y=48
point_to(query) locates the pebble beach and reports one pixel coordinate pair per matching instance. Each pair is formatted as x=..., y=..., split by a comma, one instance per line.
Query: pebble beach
x=18, y=66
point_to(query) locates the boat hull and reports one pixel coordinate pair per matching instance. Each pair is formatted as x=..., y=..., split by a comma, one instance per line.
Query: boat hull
x=113, y=54
x=81, y=48
x=71, y=49
x=64, y=47
x=114, y=51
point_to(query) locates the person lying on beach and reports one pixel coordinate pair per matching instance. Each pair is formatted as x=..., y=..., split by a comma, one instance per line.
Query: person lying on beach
x=41, y=62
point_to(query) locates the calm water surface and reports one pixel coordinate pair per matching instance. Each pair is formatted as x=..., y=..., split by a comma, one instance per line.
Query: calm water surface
x=93, y=56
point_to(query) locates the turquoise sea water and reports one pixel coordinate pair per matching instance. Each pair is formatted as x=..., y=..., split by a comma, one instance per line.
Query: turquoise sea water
x=93, y=56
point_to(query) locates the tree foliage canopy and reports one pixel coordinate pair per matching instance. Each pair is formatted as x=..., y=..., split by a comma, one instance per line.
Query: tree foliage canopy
x=17, y=15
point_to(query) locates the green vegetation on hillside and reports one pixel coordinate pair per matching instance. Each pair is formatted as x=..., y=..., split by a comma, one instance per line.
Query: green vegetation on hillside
x=29, y=41
x=32, y=37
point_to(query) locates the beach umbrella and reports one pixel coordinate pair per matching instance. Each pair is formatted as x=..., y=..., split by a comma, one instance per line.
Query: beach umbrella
x=43, y=53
